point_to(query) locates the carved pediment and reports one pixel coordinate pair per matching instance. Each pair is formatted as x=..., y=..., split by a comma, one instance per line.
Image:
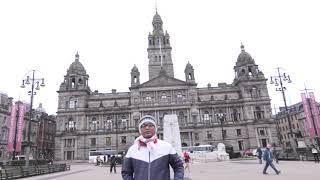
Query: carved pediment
x=163, y=80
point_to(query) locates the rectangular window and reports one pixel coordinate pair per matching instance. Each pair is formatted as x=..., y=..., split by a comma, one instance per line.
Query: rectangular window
x=93, y=141
x=209, y=135
x=196, y=136
x=108, y=141
x=238, y=132
x=69, y=142
x=263, y=142
x=123, y=139
x=262, y=131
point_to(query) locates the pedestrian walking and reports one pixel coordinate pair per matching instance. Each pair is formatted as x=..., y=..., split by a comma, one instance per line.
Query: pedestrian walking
x=186, y=161
x=267, y=156
x=98, y=160
x=104, y=159
x=113, y=164
x=149, y=157
x=315, y=153
x=259, y=155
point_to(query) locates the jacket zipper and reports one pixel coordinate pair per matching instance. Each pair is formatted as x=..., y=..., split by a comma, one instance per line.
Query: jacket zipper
x=149, y=167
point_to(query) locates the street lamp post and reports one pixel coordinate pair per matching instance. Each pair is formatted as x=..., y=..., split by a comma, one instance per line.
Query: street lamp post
x=221, y=117
x=277, y=80
x=15, y=133
x=116, y=108
x=34, y=81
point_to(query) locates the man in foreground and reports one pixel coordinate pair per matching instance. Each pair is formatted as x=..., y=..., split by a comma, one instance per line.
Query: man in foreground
x=149, y=158
x=267, y=156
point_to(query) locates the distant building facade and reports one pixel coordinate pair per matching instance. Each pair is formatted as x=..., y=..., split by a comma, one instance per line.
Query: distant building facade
x=5, y=114
x=46, y=134
x=5, y=110
x=89, y=121
x=298, y=124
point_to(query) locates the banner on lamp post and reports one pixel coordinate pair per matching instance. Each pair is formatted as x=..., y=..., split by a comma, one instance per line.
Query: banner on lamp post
x=311, y=112
x=20, y=121
x=315, y=112
x=12, y=130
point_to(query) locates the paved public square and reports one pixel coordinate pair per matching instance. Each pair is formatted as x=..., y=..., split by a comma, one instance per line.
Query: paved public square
x=232, y=170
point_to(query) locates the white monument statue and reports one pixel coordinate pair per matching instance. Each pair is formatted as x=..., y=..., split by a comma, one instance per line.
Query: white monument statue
x=171, y=132
x=222, y=154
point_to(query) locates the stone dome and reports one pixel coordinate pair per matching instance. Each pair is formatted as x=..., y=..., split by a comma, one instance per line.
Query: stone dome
x=189, y=66
x=135, y=69
x=157, y=19
x=244, y=56
x=76, y=66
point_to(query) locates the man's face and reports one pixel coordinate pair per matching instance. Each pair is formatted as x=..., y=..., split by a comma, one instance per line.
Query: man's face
x=147, y=130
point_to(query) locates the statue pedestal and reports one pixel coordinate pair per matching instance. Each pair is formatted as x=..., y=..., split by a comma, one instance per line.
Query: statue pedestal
x=171, y=132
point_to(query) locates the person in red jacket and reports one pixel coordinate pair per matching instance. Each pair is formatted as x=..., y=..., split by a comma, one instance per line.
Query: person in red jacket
x=186, y=160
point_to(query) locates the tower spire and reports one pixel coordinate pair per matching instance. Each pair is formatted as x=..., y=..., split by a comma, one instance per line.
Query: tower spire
x=156, y=6
x=77, y=56
x=242, y=47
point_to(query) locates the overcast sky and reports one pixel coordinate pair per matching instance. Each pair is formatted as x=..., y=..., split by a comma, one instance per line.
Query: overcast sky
x=111, y=36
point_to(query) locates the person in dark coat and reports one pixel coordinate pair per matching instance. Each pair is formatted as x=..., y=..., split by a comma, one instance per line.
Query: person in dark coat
x=259, y=155
x=113, y=164
x=150, y=158
x=104, y=159
x=267, y=156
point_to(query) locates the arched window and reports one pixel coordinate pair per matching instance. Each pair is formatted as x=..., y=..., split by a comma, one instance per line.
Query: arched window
x=163, y=96
x=135, y=79
x=109, y=124
x=148, y=98
x=179, y=95
x=235, y=115
x=254, y=92
x=124, y=122
x=181, y=118
x=206, y=116
x=80, y=81
x=94, y=124
x=73, y=82
x=189, y=76
x=71, y=103
x=250, y=71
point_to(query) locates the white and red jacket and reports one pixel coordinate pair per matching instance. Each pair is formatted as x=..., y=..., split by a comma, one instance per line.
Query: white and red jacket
x=142, y=164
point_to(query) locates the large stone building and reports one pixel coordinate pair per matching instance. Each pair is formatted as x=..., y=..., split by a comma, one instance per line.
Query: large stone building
x=88, y=121
x=5, y=109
